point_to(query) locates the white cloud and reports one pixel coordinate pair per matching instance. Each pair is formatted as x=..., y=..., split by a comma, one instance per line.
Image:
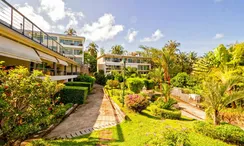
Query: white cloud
x=54, y=8
x=30, y=13
x=131, y=34
x=218, y=36
x=102, y=30
x=155, y=37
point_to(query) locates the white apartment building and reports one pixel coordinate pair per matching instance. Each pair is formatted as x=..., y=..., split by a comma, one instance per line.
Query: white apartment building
x=110, y=62
x=72, y=46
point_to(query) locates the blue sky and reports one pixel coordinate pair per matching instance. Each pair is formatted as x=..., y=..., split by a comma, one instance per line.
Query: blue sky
x=199, y=25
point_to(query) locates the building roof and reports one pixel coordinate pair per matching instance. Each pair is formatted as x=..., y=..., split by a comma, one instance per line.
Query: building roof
x=122, y=56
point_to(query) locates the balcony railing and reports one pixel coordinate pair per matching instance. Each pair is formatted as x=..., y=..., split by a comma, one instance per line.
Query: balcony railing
x=12, y=18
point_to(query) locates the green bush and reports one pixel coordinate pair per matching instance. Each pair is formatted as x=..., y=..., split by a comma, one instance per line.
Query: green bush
x=100, y=77
x=25, y=102
x=81, y=84
x=135, y=84
x=163, y=113
x=225, y=132
x=73, y=94
x=183, y=80
x=171, y=137
x=149, y=84
x=165, y=105
x=85, y=78
x=113, y=84
x=136, y=102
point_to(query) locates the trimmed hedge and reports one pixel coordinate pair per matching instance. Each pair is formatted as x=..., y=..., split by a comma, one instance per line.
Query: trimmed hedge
x=80, y=84
x=135, y=84
x=73, y=94
x=225, y=132
x=166, y=114
x=85, y=78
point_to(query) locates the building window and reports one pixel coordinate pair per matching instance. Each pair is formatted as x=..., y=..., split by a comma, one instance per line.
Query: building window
x=54, y=48
x=78, y=60
x=78, y=43
x=67, y=51
x=129, y=60
x=66, y=42
x=77, y=52
x=50, y=38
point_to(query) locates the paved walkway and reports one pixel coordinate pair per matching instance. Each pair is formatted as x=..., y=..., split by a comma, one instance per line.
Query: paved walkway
x=96, y=113
x=190, y=111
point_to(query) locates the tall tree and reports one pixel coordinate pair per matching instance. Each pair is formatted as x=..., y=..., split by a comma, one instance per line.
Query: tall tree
x=157, y=75
x=117, y=49
x=92, y=49
x=102, y=51
x=70, y=31
x=217, y=95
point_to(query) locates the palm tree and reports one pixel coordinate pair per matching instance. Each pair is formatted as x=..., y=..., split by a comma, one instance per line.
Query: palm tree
x=70, y=31
x=157, y=76
x=217, y=95
x=92, y=49
x=166, y=92
x=171, y=46
x=117, y=49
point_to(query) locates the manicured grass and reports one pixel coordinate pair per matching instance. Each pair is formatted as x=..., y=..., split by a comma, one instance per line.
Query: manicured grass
x=138, y=130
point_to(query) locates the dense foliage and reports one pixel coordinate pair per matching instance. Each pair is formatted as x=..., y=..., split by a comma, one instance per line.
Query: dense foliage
x=136, y=102
x=81, y=84
x=27, y=103
x=85, y=78
x=135, y=84
x=100, y=77
x=225, y=132
x=73, y=94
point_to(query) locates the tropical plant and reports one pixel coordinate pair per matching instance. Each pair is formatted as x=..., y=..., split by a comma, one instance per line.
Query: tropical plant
x=217, y=95
x=117, y=49
x=136, y=102
x=92, y=49
x=157, y=75
x=91, y=61
x=166, y=91
x=26, y=102
x=70, y=31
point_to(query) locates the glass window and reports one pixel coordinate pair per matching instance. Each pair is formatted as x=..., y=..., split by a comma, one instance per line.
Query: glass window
x=54, y=48
x=78, y=43
x=67, y=51
x=77, y=52
x=78, y=60
x=66, y=42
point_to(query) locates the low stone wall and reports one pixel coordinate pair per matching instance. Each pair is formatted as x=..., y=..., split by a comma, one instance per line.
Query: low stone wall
x=189, y=98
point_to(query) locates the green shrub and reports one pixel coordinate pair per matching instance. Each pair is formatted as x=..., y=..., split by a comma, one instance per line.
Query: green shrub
x=135, y=84
x=73, y=94
x=136, y=102
x=165, y=105
x=25, y=100
x=80, y=84
x=163, y=113
x=225, y=132
x=113, y=83
x=149, y=84
x=171, y=137
x=85, y=78
x=183, y=80
x=100, y=77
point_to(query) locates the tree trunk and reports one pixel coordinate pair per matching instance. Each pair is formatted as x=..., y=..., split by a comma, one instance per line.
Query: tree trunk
x=233, y=104
x=216, y=117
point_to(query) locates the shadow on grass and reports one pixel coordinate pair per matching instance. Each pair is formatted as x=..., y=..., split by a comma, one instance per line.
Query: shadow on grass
x=150, y=116
x=186, y=119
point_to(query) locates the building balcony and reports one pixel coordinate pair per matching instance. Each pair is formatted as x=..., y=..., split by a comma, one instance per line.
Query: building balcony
x=72, y=46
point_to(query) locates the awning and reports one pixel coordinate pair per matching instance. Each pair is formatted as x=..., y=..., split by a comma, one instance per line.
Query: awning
x=62, y=62
x=47, y=57
x=16, y=50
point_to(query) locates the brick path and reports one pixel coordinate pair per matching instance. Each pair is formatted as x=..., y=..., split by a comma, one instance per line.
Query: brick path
x=96, y=113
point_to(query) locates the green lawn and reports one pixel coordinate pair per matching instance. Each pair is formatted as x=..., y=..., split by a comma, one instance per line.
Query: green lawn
x=138, y=130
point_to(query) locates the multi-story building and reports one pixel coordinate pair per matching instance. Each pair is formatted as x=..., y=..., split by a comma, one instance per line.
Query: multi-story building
x=72, y=46
x=110, y=62
x=23, y=43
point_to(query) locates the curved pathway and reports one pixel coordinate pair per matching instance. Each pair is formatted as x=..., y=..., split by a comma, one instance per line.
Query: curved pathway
x=96, y=113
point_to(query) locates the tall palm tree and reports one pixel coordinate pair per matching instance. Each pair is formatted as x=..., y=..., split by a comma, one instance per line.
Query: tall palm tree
x=70, y=31
x=166, y=91
x=172, y=46
x=92, y=49
x=118, y=49
x=217, y=95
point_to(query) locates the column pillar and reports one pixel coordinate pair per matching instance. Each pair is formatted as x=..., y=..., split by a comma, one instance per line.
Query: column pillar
x=55, y=68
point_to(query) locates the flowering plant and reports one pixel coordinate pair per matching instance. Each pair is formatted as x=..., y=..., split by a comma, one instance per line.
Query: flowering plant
x=136, y=102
